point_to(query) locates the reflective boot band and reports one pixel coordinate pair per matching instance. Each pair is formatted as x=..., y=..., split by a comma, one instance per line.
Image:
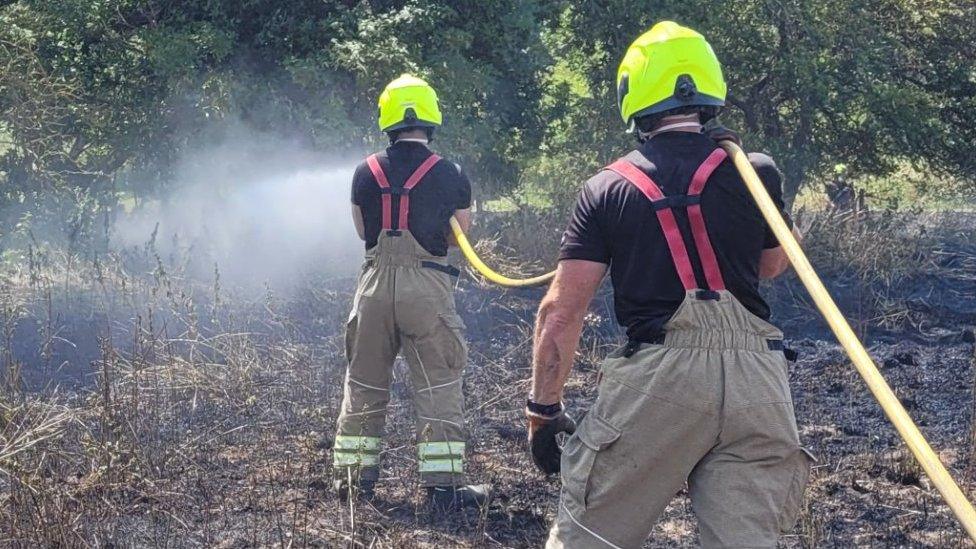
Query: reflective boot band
x=441, y=457
x=356, y=450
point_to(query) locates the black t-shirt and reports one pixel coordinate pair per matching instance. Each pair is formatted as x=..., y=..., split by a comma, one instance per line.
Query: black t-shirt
x=433, y=201
x=614, y=223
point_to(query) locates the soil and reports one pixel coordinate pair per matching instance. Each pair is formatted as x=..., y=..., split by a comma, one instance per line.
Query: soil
x=241, y=456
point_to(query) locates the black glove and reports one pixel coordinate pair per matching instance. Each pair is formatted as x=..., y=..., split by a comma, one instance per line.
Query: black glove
x=718, y=132
x=543, y=442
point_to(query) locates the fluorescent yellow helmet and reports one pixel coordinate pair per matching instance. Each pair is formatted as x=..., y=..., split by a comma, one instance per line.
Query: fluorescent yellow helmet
x=668, y=67
x=408, y=101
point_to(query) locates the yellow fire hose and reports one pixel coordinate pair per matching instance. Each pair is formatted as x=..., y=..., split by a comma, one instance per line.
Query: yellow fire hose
x=855, y=350
x=865, y=366
x=486, y=271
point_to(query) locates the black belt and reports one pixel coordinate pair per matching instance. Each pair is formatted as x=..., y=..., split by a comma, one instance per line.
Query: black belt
x=634, y=345
x=448, y=269
x=778, y=345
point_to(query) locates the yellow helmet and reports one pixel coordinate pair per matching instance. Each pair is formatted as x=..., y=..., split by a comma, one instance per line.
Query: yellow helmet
x=408, y=101
x=668, y=67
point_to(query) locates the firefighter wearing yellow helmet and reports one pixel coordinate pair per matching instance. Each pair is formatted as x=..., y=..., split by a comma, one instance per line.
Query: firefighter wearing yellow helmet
x=669, y=69
x=699, y=395
x=408, y=102
x=403, y=198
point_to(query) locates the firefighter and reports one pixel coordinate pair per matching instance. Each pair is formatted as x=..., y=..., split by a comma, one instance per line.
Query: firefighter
x=699, y=394
x=402, y=200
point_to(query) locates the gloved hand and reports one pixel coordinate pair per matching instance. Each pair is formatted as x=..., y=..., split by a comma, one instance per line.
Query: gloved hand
x=543, y=442
x=718, y=132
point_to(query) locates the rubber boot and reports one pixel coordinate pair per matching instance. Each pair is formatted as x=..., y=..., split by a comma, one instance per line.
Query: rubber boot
x=363, y=484
x=448, y=498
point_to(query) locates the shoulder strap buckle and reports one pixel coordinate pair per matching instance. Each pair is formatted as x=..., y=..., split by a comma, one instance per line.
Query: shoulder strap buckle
x=395, y=191
x=676, y=201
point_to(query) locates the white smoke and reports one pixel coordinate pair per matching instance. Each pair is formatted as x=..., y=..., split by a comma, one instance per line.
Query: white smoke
x=262, y=209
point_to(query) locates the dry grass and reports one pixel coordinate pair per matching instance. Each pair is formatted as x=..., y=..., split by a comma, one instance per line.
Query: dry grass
x=203, y=415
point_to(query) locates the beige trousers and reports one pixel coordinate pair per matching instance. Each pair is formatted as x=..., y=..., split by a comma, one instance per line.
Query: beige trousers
x=403, y=305
x=711, y=407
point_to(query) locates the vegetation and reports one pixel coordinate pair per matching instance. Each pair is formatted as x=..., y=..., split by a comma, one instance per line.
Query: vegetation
x=142, y=407
x=148, y=397
x=98, y=99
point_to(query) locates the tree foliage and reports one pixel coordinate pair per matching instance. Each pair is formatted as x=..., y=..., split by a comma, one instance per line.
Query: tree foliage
x=100, y=98
x=868, y=83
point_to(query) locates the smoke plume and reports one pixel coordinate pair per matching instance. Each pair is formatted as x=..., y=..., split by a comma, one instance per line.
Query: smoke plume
x=261, y=209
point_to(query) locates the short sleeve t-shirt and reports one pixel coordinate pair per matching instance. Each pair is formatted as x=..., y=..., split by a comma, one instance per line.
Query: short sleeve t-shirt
x=433, y=201
x=614, y=223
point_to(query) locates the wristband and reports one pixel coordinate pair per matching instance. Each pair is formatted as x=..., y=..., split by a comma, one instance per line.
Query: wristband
x=543, y=410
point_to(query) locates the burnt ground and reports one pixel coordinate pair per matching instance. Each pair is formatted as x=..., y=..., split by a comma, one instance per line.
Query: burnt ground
x=163, y=413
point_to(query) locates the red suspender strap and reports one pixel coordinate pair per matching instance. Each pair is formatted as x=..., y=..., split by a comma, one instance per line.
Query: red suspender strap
x=679, y=254
x=387, y=190
x=713, y=275
x=387, y=202
x=403, y=220
x=705, y=171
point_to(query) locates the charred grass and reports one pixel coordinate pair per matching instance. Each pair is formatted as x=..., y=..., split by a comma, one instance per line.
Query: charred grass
x=143, y=406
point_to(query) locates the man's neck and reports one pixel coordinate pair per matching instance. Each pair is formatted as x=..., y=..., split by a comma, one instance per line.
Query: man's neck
x=413, y=136
x=688, y=123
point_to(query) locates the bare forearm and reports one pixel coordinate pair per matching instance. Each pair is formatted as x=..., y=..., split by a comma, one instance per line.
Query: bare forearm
x=357, y=219
x=775, y=262
x=464, y=220
x=556, y=339
x=559, y=325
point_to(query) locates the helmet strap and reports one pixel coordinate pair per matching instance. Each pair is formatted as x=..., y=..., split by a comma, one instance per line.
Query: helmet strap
x=687, y=126
x=693, y=127
x=394, y=135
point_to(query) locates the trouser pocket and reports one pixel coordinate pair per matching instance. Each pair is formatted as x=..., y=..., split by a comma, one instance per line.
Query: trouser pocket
x=352, y=324
x=803, y=460
x=455, y=348
x=593, y=436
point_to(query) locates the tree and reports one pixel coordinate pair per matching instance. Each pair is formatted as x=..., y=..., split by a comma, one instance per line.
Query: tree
x=99, y=99
x=868, y=83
